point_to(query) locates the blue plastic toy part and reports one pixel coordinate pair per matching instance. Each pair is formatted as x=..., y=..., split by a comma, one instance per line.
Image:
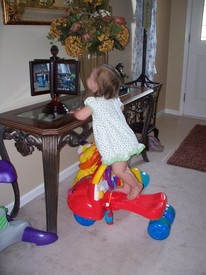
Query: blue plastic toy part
x=170, y=214
x=108, y=216
x=83, y=221
x=145, y=179
x=159, y=229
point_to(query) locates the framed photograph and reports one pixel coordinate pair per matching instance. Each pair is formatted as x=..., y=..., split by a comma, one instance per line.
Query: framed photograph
x=32, y=12
x=56, y=78
x=39, y=77
x=66, y=77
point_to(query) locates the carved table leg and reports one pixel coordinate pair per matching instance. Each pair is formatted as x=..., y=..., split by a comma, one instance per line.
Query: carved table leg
x=50, y=155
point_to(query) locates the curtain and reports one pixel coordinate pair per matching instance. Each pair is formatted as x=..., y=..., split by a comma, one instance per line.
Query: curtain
x=150, y=69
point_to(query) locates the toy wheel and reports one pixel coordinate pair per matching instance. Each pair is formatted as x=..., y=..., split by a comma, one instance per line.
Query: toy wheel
x=83, y=221
x=145, y=179
x=159, y=229
x=170, y=214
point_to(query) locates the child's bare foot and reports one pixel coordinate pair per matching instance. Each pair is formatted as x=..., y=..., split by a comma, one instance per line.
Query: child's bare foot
x=125, y=189
x=134, y=192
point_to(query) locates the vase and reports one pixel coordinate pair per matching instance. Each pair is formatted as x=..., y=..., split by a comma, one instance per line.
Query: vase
x=88, y=62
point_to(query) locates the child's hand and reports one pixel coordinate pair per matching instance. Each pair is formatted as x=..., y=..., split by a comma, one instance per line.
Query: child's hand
x=71, y=111
x=74, y=110
x=81, y=113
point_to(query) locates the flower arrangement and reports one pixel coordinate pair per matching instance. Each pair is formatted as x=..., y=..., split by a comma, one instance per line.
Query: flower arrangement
x=89, y=27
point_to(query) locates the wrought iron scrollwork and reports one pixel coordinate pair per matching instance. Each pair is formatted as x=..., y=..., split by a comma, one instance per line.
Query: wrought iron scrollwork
x=74, y=138
x=138, y=115
x=136, y=112
x=24, y=142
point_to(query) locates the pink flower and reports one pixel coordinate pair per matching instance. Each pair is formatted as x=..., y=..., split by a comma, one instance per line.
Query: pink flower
x=75, y=26
x=86, y=37
x=107, y=18
x=120, y=20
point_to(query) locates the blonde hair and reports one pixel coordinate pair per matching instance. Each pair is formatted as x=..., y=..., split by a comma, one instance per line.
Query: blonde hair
x=108, y=81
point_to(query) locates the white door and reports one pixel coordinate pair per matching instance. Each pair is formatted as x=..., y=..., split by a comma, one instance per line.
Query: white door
x=195, y=93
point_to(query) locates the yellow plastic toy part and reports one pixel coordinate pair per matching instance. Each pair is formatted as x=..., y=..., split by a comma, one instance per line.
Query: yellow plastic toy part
x=99, y=173
x=89, y=159
x=83, y=173
x=137, y=174
x=92, y=160
x=87, y=153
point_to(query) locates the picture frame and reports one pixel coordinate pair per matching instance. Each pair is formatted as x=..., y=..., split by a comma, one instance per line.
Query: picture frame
x=66, y=75
x=55, y=78
x=40, y=77
x=32, y=12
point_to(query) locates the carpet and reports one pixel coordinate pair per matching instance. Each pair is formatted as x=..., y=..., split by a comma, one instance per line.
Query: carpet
x=192, y=151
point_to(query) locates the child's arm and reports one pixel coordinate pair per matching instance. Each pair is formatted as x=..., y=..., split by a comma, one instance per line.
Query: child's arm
x=82, y=114
x=121, y=104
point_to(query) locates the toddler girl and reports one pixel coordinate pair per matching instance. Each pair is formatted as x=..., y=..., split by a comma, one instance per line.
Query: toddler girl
x=114, y=138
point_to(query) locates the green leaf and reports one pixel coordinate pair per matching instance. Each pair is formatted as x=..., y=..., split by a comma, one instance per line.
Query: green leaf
x=115, y=29
x=117, y=45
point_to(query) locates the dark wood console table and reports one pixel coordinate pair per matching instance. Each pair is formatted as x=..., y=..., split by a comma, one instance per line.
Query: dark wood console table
x=30, y=129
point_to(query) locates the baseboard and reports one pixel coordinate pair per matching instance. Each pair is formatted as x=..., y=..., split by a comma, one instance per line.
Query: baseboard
x=172, y=112
x=160, y=113
x=39, y=190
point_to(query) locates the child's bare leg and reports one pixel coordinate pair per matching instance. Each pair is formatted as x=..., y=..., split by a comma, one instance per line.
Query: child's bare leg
x=124, y=189
x=122, y=170
x=135, y=192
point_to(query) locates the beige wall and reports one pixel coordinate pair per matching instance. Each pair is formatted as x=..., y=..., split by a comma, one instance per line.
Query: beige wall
x=125, y=9
x=20, y=44
x=176, y=53
x=163, y=26
x=171, y=20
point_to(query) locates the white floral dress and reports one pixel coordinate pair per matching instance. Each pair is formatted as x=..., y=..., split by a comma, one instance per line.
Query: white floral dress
x=113, y=137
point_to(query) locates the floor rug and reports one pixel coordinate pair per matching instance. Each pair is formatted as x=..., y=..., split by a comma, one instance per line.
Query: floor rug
x=192, y=151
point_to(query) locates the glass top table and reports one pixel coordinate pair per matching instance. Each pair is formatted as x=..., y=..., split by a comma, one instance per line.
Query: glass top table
x=71, y=102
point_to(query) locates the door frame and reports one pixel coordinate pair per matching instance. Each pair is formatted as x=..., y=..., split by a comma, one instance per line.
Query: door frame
x=186, y=55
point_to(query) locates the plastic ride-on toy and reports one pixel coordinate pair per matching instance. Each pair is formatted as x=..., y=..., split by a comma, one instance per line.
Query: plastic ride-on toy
x=93, y=196
x=16, y=230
